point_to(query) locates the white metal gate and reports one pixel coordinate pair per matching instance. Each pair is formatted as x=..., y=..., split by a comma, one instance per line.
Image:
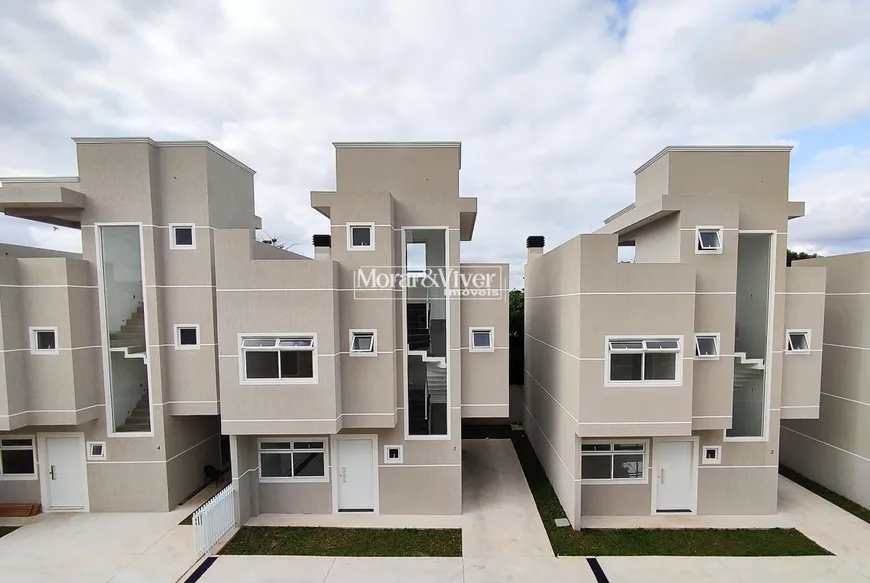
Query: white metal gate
x=212, y=520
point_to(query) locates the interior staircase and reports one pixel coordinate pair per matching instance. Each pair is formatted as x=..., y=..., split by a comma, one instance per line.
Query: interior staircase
x=130, y=337
x=139, y=418
x=130, y=340
x=746, y=369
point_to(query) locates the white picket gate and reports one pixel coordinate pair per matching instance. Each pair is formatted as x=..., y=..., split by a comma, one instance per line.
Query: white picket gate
x=212, y=520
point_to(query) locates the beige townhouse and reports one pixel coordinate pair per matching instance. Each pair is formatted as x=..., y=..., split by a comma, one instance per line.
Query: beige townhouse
x=658, y=386
x=345, y=378
x=834, y=450
x=108, y=359
x=339, y=382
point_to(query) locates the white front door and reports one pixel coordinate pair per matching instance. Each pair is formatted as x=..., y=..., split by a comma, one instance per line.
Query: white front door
x=356, y=475
x=674, y=475
x=64, y=472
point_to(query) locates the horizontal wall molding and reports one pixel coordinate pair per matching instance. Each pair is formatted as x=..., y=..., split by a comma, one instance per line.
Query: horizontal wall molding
x=248, y=471
x=547, y=439
x=53, y=411
x=790, y=430
x=555, y=400
x=844, y=399
x=47, y=285
x=397, y=465
x=313, y=420
x=845, y=346
x=717, y=467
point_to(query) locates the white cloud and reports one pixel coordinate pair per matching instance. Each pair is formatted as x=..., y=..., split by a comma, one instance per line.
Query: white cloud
x=554, y=107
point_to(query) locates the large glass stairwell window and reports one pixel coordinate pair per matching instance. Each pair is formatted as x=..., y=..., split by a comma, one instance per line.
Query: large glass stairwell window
x=426, y=283
x=123, y=308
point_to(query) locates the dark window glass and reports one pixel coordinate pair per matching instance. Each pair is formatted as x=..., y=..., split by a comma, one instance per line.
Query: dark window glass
x=596, y=467
x=261, y=365
x=361, y=236
x=17, y=462
x=184, y=236
x=45, y=340
x=187, y=336
x=625, y=367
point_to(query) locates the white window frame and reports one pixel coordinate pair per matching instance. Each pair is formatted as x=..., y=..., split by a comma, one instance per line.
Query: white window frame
x=32, y=448
x=602, y=481
x=179, y=345
x=34, y=345
x=362, y=332
x=715, y=337
x=475, y=329
x=244, y=380
x=89, y=449
x=301, y=438
x=399, y=459
x=711, y=462
x=173, y=227
x=678, y=365
x=788, y=344
x=351, y=246
x=700, y=249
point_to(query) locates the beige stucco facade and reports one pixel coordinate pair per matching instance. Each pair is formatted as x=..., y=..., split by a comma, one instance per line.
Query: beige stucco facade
x=143, y=343
x=611, y=362
x=834, y=449
x=389, y=191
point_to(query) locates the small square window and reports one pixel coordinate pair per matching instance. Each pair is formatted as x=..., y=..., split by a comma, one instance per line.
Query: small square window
x=480, y=339
x=709, y=240
x=362, y=343
x=798, y=341
x=360, y=236
x=43, y=341
x=711, y=455
x=393, y=454
x=96, y=450
x=706, y=345
x=183, y=237
x=187, y=336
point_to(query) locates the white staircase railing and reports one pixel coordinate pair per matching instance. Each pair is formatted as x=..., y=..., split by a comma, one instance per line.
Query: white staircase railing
x=213, y=520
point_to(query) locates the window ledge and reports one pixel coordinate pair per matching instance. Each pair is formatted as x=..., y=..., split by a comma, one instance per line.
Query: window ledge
x=307, y=381
x=593, y=482
x=642, y=384
x=294, y=480
x=19, y=478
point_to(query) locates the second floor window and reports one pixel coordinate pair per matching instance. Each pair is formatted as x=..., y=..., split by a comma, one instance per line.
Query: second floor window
x=643, y=360
x=360, y=236
x=279, y=359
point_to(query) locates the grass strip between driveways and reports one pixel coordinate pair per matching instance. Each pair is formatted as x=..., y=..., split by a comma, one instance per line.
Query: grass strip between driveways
x=345, y=542
x=4, y=530
x=846, y=504
x=772, y=542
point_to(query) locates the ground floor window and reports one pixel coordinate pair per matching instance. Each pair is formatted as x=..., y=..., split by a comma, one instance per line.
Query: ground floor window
x=613, y=462
x=291, y=460
x=17, y=458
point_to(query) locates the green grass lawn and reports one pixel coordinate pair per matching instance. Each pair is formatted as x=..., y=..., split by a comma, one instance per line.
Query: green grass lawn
x=566, y=541
x=4, y=530
x=345, y=542
x=846, y=504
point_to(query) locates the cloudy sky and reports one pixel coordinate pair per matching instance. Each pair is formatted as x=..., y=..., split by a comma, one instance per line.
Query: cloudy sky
x=555, y=103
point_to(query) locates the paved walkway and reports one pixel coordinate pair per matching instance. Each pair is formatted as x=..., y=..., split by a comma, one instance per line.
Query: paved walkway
x=100, y=547
x=500, y=516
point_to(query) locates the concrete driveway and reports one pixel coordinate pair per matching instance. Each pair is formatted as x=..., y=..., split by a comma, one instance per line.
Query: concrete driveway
x=100, y=547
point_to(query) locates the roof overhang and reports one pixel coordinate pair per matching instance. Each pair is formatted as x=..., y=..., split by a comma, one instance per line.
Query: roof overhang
x=370, y=145
x=467, y=217
x=774, y=148
x=46, y=200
